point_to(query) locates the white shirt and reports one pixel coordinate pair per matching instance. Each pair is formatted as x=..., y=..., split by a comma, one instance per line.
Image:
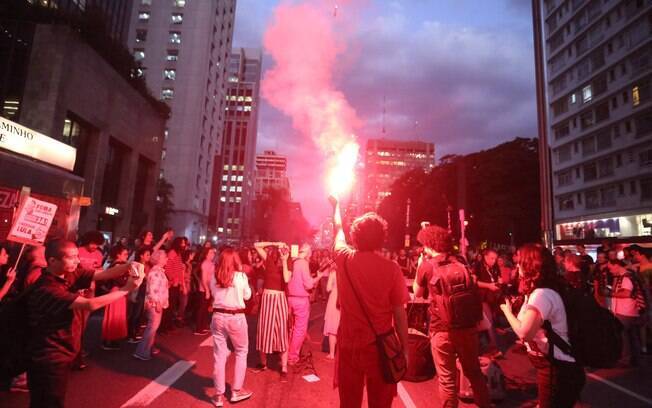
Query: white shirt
x=624, y=306
x=551, y=307
x=233, y=297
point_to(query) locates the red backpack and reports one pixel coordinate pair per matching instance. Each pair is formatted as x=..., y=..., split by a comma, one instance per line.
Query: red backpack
x=454, y=295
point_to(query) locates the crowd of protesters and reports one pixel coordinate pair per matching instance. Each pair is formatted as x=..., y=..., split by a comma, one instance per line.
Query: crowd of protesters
x=211, y=289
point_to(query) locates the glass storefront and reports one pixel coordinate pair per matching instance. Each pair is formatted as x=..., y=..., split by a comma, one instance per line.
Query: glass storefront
x=638, y=225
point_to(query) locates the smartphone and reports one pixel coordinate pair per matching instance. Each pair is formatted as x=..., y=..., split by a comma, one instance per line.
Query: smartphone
x=294, y=251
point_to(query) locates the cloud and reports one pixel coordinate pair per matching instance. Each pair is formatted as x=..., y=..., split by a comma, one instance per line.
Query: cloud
x=464, y=87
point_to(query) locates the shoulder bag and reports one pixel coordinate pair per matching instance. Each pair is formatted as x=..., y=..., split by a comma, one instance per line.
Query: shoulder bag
x=390, y=350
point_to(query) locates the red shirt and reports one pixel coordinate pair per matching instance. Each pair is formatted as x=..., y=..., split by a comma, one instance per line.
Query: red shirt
x=174, y=268
x=380, y=286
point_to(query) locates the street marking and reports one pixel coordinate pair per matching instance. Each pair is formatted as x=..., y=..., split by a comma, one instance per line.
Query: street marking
x=157, y=387
x=208, y=342
x=405, y=397
x=620, y=388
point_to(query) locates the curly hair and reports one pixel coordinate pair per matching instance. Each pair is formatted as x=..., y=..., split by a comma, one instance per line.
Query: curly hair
x=436, y=238
x=368, y=232
x=538, y=268
x=93, y=237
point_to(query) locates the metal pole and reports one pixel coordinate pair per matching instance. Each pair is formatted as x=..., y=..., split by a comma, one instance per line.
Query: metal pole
x=545, y=174
x=407, y=225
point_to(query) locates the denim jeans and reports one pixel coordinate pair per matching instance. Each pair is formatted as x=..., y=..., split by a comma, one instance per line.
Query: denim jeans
x=144, y=348
x=357, y=367
x=300, y=316
x=632, y=338
x=234, y=327
x=447, y=347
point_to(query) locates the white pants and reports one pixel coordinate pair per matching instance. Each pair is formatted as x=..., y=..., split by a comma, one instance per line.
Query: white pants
x=227, y=326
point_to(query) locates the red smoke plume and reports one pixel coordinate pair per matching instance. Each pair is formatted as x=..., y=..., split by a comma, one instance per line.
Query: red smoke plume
x=305, y=41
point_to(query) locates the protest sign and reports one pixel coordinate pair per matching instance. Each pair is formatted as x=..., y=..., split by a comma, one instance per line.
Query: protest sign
x=32, y=222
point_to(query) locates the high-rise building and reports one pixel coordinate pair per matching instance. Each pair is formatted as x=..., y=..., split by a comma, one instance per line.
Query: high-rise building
x=594, y=78
x=271, y=173
x=387, y=160
x=233, y=177
x=183, y=47
x=76, y=129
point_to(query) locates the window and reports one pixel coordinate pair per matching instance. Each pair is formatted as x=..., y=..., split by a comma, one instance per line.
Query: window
x=588, y=146
x=170, y=74
x=167, y=93
x=179, y=3
x=173, y=55
x=572, y=98
x=143, y=16
x=603, y=140
x=587, y=95
x=176, y=18
x=590, y=172
x=586, y=120
x=608, y=196
x=139, y=54
x=636, y=96
x=646, y=189
x=562, y=131
x=565, y=178
x=146, y=2
x=643, y=123
x=645, y=157
x=605, y=167
x=140, y=72
x=566, y=203
x=592, y=199
x=175, y=37
x=141, y=35
x=564, y=153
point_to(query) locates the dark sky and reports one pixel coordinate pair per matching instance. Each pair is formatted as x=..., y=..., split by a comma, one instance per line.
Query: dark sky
x=458, y=73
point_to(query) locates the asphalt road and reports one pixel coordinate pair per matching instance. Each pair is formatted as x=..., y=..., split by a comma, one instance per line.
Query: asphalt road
x=181, y=377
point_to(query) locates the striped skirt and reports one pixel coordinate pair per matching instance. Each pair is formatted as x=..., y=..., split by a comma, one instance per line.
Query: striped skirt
x=272, y=333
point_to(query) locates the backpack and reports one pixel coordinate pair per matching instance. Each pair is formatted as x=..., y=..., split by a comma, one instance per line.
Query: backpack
x=640, y=292
x=455, y=296
x=13, y=343
x=595, y=334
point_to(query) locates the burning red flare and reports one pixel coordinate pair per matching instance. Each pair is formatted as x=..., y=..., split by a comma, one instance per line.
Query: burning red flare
x=303, y=43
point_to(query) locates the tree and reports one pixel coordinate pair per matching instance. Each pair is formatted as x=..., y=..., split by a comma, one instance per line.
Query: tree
x=279, y=219
x=498, y=189
x=164, y=206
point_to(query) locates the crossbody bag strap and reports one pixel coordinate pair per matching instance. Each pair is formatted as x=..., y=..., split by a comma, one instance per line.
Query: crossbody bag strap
x=355, y=293
x=555, y=339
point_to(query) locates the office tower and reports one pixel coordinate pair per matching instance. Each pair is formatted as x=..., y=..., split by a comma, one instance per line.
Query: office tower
x=594, y=78
x=233, y=178
x=183, y=48
x=271, y=173
x=387, y=160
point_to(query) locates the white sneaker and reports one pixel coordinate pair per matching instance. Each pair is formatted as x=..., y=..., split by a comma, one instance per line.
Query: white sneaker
x=218, y=400
x=240, y=395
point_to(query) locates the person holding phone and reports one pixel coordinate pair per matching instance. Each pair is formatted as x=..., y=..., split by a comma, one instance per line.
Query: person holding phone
x=272, y=329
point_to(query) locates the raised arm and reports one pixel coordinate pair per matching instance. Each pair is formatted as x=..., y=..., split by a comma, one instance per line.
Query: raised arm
x=167, y=235
x=340, y=238
x=260, y=248
x=101, y=301
x=111, y=273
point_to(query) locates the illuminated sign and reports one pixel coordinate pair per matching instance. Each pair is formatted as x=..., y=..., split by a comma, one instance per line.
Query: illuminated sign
x=85, y=201
x=25, y=141
x=111, y=211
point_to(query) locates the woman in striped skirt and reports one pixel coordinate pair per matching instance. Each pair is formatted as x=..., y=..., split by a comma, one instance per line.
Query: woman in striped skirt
x=272, y=333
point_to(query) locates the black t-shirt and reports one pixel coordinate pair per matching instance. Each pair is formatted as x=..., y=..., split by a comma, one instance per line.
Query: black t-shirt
x=54, y=337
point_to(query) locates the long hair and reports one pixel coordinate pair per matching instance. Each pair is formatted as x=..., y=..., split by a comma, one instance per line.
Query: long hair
x=204, y=254
x=274, y=255
x=227, y=266
x=243, y=253
x=538, y=268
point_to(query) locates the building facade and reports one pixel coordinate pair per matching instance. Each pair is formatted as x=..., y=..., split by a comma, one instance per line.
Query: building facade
x=183, y=49
x=271, y=173
x=233, y=177
x=72, y=92
x=597, y=67
x=387, y=160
